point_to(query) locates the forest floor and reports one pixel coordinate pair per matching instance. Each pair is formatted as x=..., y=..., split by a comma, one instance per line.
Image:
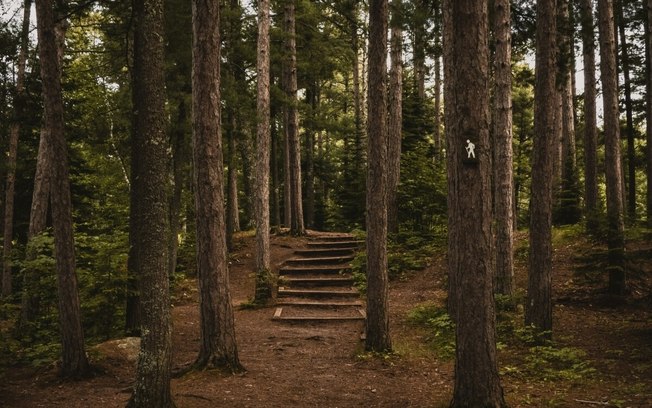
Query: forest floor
x=601, y=354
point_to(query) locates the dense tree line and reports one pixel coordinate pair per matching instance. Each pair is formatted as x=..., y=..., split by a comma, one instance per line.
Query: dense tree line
x=139, y=137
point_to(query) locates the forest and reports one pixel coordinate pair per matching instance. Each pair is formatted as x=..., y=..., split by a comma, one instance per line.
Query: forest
x=333, y=203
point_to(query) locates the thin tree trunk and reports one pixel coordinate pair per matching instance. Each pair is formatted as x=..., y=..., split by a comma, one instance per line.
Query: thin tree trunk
x=276, y=199
x=74, y=361
x=14, y=131
x=648, y=99
x=377, y=327
x=312, y=94
x=395, y=123
x=568, y=211
x=30, y=302
x=287, y=180
x=263, y=290
x=178, y=160
x=437, y=89
x=613, y=168
x=591, y=203
x=538, y=312
x=232, y=209
x=296, y=201
x=466, y=62
x=218, y=347
x=419, y=47
x=150, y=184
x=503, y=155
x=627, y=88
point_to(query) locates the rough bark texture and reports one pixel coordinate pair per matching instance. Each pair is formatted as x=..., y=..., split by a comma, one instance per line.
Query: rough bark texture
x=263, y=141
x=179, y=160
x=377, y=327
x=150, y=220
x=502, y=148
x=437, y=90
x=232, y=208
x=312, y=98
x=296, y=202
x=568, y=211
x=419, y=47
x=30, y=302
x=613, y=168
x=466, y=92
x=74, y=361
x=591, y=203
x=218, y=346
x=394, y=126
x=538, y=311
x=14, y=131
x=648, y=99
x=627, y=88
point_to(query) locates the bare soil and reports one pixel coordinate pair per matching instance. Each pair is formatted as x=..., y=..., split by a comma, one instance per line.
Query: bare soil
x=324, y=365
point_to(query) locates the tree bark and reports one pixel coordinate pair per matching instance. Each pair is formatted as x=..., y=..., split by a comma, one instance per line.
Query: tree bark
x=312, y=98
x=263, y=291
x=232, y=209
x=613, y=168
x=179, y=159
x=648, y=100
x=437, y=89
x=377, y=327
x=591, y=200
x=14, y=132
x=627, y=88
x=150, y=186
x=419, y=47
x=74, y=361
x=538, y=312
x=297, y=226
x=395, y=123
x=568, y=211
x=471, y=273
x=218, y=347
x=502, y=147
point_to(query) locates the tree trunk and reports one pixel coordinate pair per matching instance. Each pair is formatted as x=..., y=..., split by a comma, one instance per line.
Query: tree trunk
x=312, y=97
x=395, y=124
x=419, y=47
x=179, y=158
x=14, y=131
x=276, y=196
x=591, y=203
x=502, y=147
x=296, y=202
x=471, y=273
x=150, y=185
x=263, y=139
x=568, y=211
x=30, y=302
x=232, y=209
x=613, y=169
x=437, y=96
x=218, y=346
x=74, y=361
x=627, y=87
x=538, y=312
x=648, y=100
x=377, y=327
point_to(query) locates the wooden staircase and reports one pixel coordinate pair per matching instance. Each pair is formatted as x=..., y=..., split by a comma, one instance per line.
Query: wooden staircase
x=316, y=284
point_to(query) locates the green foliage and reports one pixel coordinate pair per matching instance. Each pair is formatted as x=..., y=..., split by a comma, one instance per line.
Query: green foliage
x=550, y=363
x=440, y=327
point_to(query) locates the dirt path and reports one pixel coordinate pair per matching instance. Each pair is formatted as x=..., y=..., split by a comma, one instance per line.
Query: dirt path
x=323, y=365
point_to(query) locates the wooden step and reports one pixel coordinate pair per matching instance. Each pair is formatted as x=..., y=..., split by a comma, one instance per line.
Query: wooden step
x=324, y=252
x=319, y=260
x=334, y=244
x=309, y=269
x=325, y=238
x=318, y=293
x=279, y=315
x=319, y=303
x=318, y=281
